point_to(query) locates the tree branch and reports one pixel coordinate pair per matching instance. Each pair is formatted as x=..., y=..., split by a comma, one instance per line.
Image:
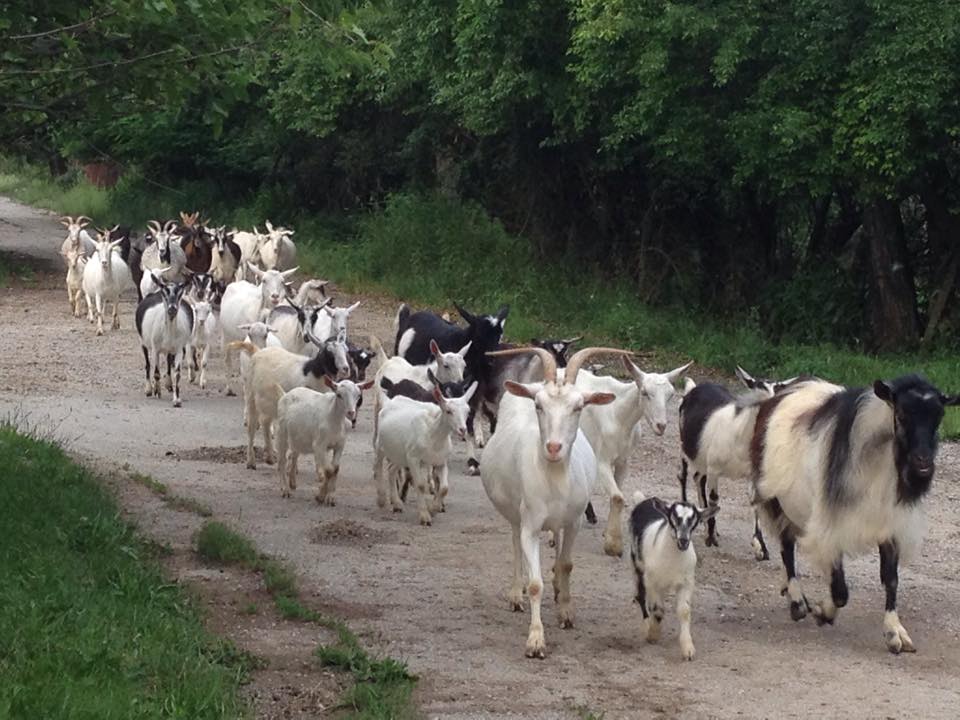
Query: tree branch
x=65, y=28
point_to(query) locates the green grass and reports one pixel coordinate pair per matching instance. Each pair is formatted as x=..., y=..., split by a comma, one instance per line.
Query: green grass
x=457, y=252
x=177, y=502
x=90, y=628
x=382, y=687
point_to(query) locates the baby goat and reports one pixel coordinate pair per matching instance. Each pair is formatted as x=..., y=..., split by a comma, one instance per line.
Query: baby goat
x=664, y=561
x=310, y=421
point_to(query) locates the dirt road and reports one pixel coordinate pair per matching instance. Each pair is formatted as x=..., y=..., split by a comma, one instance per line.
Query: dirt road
x=436, y=596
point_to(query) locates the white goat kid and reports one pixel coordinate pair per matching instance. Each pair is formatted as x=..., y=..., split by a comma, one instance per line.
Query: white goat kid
x=332, y=322
x=205, y=333
x=416, y=436
x=165, y=323
x=244, y=303
x=613, y=431
x=316, y=422
x=105, y=276
x=538, y=470
x=76, y=261
x=664, y=561
x=259, y=335
x=277, y=250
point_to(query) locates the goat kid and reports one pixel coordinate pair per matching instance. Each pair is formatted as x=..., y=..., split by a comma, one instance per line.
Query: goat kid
x=310, y=421
x=416, y=436
x=205, y=333
x=665, y=561
x=76, y=261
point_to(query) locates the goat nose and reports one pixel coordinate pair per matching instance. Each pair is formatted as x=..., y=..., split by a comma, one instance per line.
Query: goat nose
x=660, y=428
x=553, y=448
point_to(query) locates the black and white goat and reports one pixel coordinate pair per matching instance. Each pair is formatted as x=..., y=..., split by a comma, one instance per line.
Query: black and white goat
x=224, y=256
x=715, y=431
x=483, y=332
x=165, y=324
x=664, y=561
x=845, y=470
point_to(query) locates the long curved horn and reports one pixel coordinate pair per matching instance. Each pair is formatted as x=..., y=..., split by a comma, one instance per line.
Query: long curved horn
x=154, y=225
x=170, y=225
x=66, y=220
x=577, y=360
x=571, y=341
x=83, y=221
x=549, y=362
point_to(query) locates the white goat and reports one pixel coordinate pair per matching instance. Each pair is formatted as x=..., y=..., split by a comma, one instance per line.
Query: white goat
x=165, y=323
x=105, y=276
x=77, y=239
x=272, y=369
x=446, y=367
x=277, y=250
x=310, y=421
x=244, y=303
x=538, y=470
x=289, y=323
x=332, y=322
x=163, y=254
x=416, y=436
x=76, y=261
x=260, y=335
x=613, y=431
x=665, y=561
x=205, y=333
x=249, y=244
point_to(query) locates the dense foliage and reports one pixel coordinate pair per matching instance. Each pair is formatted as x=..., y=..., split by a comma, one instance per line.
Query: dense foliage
x=790, y=161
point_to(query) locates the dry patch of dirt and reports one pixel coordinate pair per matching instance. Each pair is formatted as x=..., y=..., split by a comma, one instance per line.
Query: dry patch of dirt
x=349, y=532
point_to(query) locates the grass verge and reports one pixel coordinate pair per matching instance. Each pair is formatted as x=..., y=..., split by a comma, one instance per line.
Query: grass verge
x=89, y=626
x=429, y=250
x=382, y=687
x=177, y=502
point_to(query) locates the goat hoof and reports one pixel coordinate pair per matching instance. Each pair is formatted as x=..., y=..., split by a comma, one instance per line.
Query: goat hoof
x=613, y=549
x=252, y=465
x=516, y=606
x=712, y=541
x=798, y=610
x=398, y=508
x=688, y=652
x=231, y=393
x=285, y=493
x=566, y=622
x=178, y=403
x=473, y=470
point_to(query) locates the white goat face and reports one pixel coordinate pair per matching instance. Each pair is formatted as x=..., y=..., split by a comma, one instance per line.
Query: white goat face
x=341, y=360
x=105, y=250
x=338, y=319
x=272, y=284
x=656, y=390
x=456, y=410
x=201, y=311
x=450, y=365
x=349, y=394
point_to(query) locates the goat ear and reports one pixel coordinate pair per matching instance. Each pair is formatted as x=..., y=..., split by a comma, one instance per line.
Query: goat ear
x=367, y=385
x=291, y=271
x=329, y=383
x=462, y=352
x=434, y=348
x=708, y=512
x=353, y=307
x=883, y=390
x=502, y=313
x=432, y=378
x=949, y=400
x=520, y=390
x=598, y=398
x=470, y=391
x=471, y=319
x=677, y=373
x=745, y=377
x=437, y=395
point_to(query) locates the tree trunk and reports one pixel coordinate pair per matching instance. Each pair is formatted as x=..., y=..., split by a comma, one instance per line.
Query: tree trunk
x=894, y=323
x=943, y=229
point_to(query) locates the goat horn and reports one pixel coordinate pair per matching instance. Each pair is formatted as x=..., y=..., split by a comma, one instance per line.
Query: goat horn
x=549, y=362
x=581, y=356
x=66, y=220
x=83, y=218
x=154, y=225
x=571, y=341
x=170, y=225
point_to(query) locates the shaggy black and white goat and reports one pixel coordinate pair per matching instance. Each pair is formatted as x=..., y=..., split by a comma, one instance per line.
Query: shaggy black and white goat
x=844, y=470
x=664, y=561
x=716, y=427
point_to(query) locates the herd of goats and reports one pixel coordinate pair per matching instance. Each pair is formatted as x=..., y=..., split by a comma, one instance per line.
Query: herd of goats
x=839, y=470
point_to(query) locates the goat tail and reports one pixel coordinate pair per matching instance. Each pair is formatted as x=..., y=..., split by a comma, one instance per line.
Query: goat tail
x=378, y=348
x=244, y=346
x=688, y=385
x=400, y=321
x=278, y=388
x=638, y=497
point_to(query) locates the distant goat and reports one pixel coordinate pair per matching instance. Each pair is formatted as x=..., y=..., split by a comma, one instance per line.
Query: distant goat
x=277, y=250
x=225, y=255
x=105, y=277
x=205, y=333
x=76, y=261
x=194, y=241
x=165, y=323
x=844, y=470
x=163, y=251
